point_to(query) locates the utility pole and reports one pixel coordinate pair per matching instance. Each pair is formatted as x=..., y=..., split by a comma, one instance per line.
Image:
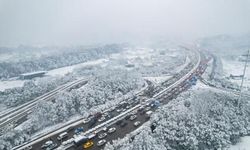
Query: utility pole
x=242, y=80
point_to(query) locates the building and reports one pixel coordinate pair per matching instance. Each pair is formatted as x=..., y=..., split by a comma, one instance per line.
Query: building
x=32, y=75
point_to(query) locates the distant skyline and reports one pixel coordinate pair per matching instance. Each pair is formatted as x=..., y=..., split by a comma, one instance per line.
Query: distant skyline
x=80, y=22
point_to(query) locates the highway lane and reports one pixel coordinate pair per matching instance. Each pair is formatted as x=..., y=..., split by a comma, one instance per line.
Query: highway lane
x=113, y=113
x=71, y=133
x=141, y=116
x=123, y=131
x=19, y=114
x=174, y=89
x=84, y=125
x=53, y=136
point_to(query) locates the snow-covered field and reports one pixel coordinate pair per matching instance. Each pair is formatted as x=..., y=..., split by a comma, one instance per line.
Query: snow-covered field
x=64, y=70
x=139, y=57
x=55, y=72
x=11, y=84
x=158, y=80
x=244, y=144
x=236, y=68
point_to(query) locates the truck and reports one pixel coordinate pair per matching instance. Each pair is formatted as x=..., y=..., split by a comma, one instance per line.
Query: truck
x=155, y=103
x=78, y=130
x=62, y=136
x=92, y=122
x=79, y=140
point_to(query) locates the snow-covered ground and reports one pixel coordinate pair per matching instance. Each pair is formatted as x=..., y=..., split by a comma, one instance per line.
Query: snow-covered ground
x=181, y=67
x=55, y=72
x=236, y=68
x=64, y=70
x=244, y=144
x=134, y=53
x=158, y=80
x=11, y=84
x=139, y=57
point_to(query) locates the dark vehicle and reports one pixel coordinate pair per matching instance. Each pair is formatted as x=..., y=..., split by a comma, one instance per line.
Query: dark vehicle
x=98, y=115
x=141, y=108
x=70, y=129
x=123, y=124
x=110, y=115
x=142, y=112
x=118, y=122
x=127, y=117
x=147, y=118
x=92, y=122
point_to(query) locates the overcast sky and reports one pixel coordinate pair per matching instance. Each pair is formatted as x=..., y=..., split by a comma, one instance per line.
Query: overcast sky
x=79, y=22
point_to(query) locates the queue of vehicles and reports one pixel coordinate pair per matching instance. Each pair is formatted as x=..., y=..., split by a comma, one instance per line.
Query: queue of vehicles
x=87, y=141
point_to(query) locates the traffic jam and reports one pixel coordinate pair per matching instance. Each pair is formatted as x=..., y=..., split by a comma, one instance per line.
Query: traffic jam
x=88, y=141
x=97, y=139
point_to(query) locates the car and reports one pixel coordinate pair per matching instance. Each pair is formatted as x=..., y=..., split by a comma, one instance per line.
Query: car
x=86, y=120
x=110, y=115
x=133, y=117
x=28, y=148
x=92, y=122
x=104, y=129
x=123, y=124
x=62, y=136
x=148, y=113
x=147, y=118
x=70, y=129
x=112, y=108
x=134, y=112
x=143, y=112
x=98, y=115
x=147, y=108
x=112, y=130
x=78, y=130
x=49, y=145
x=88, y=144
x=101, y=119
x=102, y=135
x=141, y=108
x=127, y=117
x=101, y=142
x=118, y=110
x=118, y=122
x=105, y=114
x=137, y=123
x=91, y=136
